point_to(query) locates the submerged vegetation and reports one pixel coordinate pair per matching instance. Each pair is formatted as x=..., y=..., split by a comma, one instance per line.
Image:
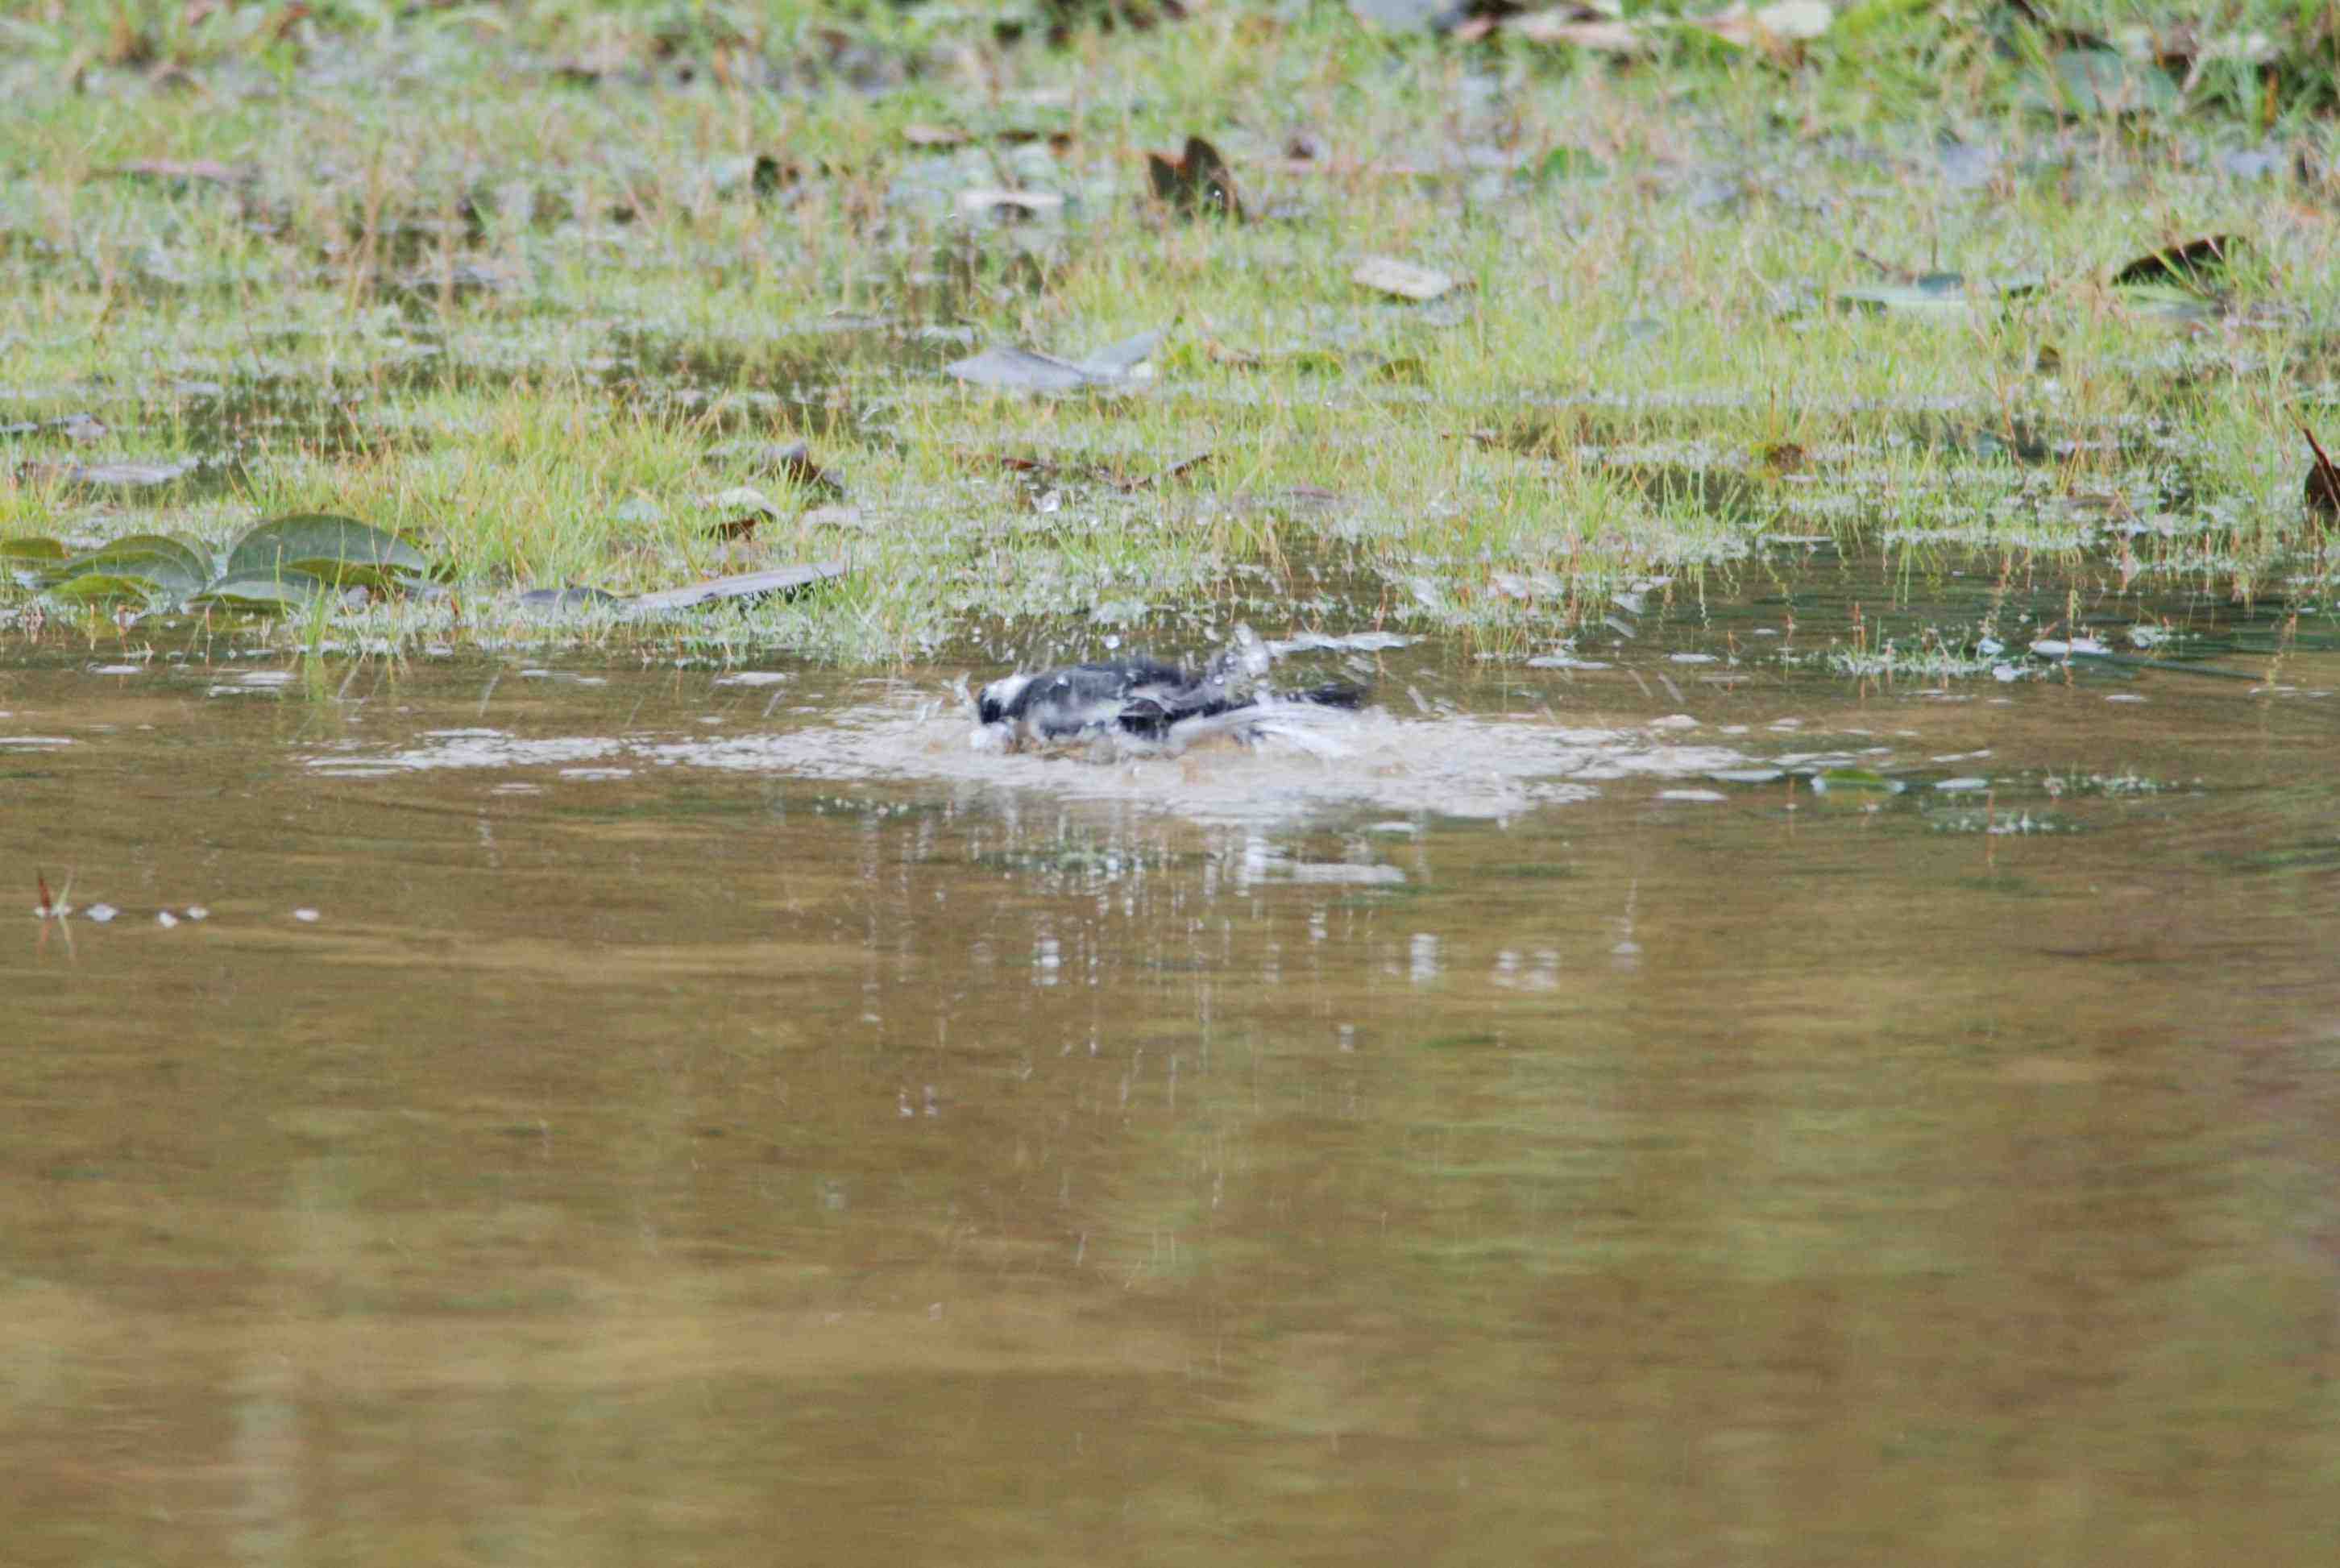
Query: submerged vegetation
x=1111, y=321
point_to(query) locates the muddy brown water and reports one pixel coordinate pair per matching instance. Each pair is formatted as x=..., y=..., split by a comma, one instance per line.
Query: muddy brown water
x=608, y=1115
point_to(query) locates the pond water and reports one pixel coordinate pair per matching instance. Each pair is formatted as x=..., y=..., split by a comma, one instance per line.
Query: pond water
x=570, y=1114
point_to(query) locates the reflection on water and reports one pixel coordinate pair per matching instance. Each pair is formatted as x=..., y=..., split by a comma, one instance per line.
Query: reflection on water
x=701, y=1113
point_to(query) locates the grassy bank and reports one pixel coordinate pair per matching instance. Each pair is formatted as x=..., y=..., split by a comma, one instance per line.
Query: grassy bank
x=542, y=288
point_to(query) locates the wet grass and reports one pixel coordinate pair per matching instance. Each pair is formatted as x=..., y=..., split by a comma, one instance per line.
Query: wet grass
x=534, y=287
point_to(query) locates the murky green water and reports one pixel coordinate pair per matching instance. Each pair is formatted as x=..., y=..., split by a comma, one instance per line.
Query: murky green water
x=718, y=1119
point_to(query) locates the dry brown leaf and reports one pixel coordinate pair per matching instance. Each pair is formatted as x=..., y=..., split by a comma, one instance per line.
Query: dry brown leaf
x=1788, y=22
x=2322, y=491
x=177, y=169
x=1197, y=182
x=1568, y=25
x=1031, y=203
x=1389, y=275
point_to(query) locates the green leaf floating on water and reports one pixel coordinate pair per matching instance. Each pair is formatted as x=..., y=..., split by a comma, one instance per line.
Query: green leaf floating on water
x=172, y=566
x=277, y=566
x=103, y=587
x=330, y=548
x=272, y=590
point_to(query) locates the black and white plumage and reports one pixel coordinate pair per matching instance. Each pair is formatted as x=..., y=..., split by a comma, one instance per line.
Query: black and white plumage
x=1141, y=702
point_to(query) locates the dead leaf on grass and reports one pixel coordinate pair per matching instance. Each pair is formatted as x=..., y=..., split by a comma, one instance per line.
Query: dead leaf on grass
x=2322, y=488
x=1176, y=472
x=783, y=580
x=1019, y=370
x=1788, y=22
x=206, y=170
x=1021, y=203
x=2185, y=262
x=1582, y=26
x=109, y=475
x=1388, y=275
x=1197, y=183
x=1024, y=370
x=741, y=497
x=791, y=461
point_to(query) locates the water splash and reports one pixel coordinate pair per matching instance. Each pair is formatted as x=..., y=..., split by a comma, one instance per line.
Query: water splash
x=1307, y=763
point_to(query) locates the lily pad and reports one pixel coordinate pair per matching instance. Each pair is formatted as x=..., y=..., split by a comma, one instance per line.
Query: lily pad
x=326, y=547
x=31, y=548
x=102, y=587
x=272, y=590
x=171, y=565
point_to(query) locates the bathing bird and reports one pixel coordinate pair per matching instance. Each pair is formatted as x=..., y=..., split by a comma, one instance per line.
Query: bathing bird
x=1144, y=701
